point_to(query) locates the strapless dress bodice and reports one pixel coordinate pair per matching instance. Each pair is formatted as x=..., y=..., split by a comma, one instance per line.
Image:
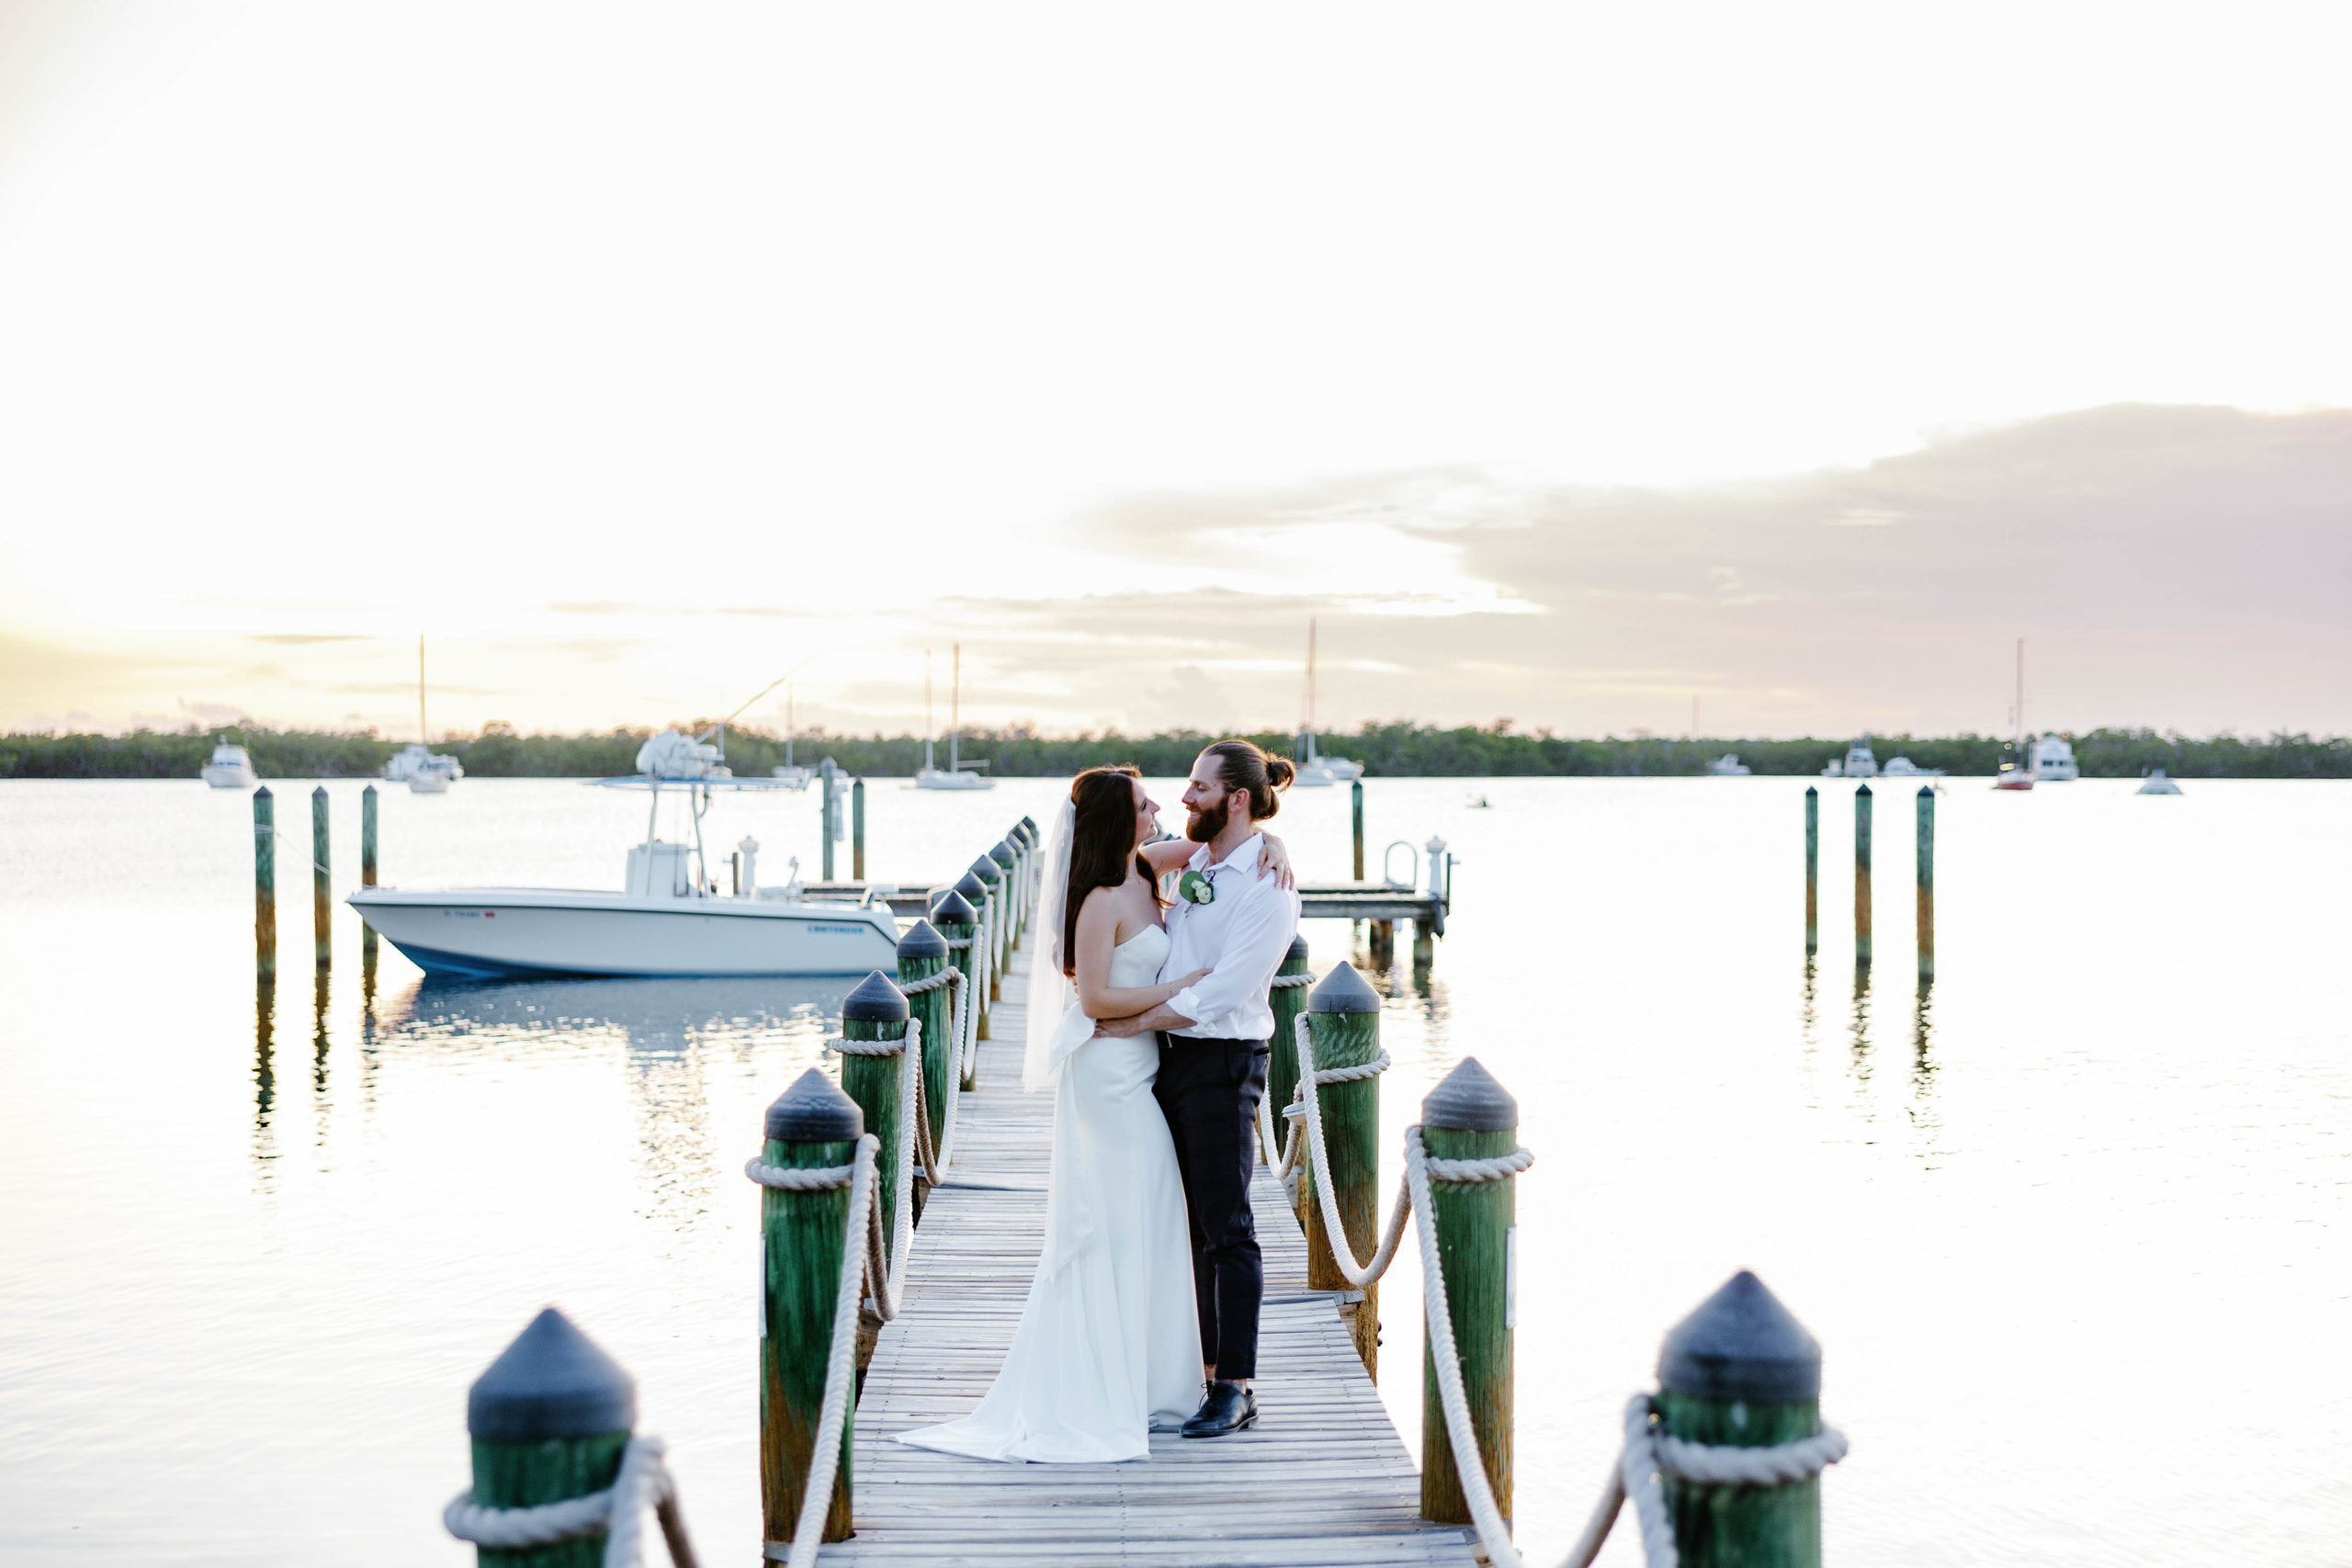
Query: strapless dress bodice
x=1135, y=962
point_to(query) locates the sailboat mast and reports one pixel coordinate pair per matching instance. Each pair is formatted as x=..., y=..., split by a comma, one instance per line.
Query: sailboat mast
x=930, y=726
x=955, y=706
x=788, y=726
x=2020, y=708
x=423, y=739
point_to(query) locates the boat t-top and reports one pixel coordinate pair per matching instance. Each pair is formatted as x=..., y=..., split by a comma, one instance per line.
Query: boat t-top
x=957, y=773
x=1316, y=771
x=1859, y=762
x=230, y=768
x=669, y=917
x=418, y=766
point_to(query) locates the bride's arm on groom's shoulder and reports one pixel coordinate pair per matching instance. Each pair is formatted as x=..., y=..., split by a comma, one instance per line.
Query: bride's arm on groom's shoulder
x=1098, y=938
x=1169, y=854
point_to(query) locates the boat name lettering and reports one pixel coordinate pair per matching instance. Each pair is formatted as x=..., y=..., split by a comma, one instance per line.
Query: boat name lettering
x=840, y=931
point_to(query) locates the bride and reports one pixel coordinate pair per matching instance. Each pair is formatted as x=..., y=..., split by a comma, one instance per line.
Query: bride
x=1108, y=1347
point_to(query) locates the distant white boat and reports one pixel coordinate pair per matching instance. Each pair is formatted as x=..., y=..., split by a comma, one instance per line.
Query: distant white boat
x=1857, y=763
x=957, y=773
x=669, y=919
x=2050, y=759
x=2156, y=783
x=1905, y=768
x=1728, y=766
x=1314, y=770
x=230, y=768
x=417, y=765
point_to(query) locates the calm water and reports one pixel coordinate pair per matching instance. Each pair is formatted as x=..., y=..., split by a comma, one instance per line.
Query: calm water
x=2072, y=1231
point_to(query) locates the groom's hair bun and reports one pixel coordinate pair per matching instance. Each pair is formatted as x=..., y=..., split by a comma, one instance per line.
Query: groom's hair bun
x=1243, y=764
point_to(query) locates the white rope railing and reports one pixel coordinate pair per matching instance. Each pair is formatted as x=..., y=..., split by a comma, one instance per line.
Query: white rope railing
x=618, y=1510
x=1284, y=982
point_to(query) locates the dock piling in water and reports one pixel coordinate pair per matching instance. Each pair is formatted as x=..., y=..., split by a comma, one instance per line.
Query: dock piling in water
x=829, y=817
x=958, y=920
x=1741, y=1372
x=1862, y=876
x=1812, y=870
x=322, y=884
x=876, y=1012
x=549, y=1421
x=857, y=829
x=368, y=869
x=1343, y=1022
x=1355, y=810
x=265, y=884
x=802, y=1237
x=1470, y=1116
x=1927, y=864
x=991, y=876
x=922, y=952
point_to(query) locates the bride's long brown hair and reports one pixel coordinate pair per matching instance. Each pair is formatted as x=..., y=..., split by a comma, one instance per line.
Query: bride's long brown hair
x=1102, y=846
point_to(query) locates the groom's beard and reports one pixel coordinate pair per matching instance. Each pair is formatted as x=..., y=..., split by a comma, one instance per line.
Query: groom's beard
x=1201, y=826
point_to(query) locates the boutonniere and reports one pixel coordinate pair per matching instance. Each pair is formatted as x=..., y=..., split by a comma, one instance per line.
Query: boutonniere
x=1195, y=889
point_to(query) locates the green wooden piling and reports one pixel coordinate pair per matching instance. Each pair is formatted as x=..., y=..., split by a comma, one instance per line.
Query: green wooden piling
x=1812, y=870
x=827, y=815
x=265, y=884
x=991, y=880
x=368, y=879
x=1288, y=1003
x=1469, y=1116
x=1926, y=859
x=549, y=1422
x=802, y=1236
x=1007, y=859
x=1025, y=869
x=922, y=952
x=857, y=829
x=1355, y=807
x=877, y=1009
x=322, y=884
x=1862, y=876
x=1742, y=1372
x=1380, y=942
x=1343, y=1021
x=958, y=925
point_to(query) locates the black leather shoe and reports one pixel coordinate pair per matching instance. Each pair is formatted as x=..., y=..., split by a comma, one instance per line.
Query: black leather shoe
x=1227, y=1409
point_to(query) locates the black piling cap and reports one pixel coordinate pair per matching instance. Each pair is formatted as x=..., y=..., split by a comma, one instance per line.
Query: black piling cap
x=1813, y=789
x=1297, y=951
x=953, y=907
x=1741, y=1344
x=815, y=1110
x=1003, y=853
x=370, y=790
x=1019, y=834
x=553, y=1382
x=1861, y=789
x=972, y=888
x=262, y=792
x=1343, y=990
x=987, y=870
x=1030, y=823
x=922, y=941
x=320, y=793
x=1468, y=1099
x=876, y=1001
x=1926, y=793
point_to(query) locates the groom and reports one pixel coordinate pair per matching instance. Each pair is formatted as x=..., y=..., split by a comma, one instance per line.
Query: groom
x=1214, y=1044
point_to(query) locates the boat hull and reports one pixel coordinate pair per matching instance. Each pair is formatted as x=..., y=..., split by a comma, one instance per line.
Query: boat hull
x=221, y=777
x=496, y=933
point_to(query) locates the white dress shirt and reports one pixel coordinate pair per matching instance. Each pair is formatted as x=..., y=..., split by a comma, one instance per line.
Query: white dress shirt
x=1243, y=934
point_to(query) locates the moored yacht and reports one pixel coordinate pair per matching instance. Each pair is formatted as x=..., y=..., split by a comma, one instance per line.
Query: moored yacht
x=1316, y=770
x=668, y=918
x=418, y=766
x=1859, y=762
x=231, y=767
x=2156, y=783
x=1728, y=766
x=957, y=773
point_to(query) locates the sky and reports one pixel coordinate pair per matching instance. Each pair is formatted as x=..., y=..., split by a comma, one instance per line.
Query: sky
x=1568, y=364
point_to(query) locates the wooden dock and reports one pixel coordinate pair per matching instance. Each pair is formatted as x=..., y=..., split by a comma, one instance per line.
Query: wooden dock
x=1321, y=1480
x=1321, y=900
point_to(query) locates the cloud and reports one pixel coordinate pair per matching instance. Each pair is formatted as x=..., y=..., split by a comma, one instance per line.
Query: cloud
x=304, y=639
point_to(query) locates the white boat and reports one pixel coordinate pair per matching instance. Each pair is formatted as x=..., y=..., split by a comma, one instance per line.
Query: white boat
x=2156, y=783
x=957, y=773
x=1859, y=763
x=2050, y=759
x=417, y=765
x=669, y=919
x=1728, y=766
x=2018, y=772
x=789, y=773
x=230, y=768
x=1314, y=770
x=1905, y=768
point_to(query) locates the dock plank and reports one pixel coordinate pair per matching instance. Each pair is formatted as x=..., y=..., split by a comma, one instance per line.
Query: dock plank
x=1321, y=1480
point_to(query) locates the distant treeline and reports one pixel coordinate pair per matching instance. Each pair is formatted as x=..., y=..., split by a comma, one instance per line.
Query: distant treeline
x=1393, y=750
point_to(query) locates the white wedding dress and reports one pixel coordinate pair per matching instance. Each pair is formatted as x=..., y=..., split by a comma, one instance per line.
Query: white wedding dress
x=1108, y=1345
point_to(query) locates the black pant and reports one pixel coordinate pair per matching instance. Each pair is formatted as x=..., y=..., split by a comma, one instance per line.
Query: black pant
x=1209, y=1091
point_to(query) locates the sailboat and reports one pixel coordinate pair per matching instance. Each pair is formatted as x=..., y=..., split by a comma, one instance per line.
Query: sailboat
x=792, y=774
x=957, y=773
x=425, y=773
x=1316, y=771
x=2017, y=775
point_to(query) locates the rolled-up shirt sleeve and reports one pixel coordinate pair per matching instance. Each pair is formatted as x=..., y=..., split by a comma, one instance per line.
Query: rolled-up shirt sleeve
x=1254, y=948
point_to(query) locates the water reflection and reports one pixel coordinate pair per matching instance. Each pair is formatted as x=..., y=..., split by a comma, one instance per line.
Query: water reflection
x=1923, y=1061
x=265, y=1074
x=1859, y=1029
x=319, y=1044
